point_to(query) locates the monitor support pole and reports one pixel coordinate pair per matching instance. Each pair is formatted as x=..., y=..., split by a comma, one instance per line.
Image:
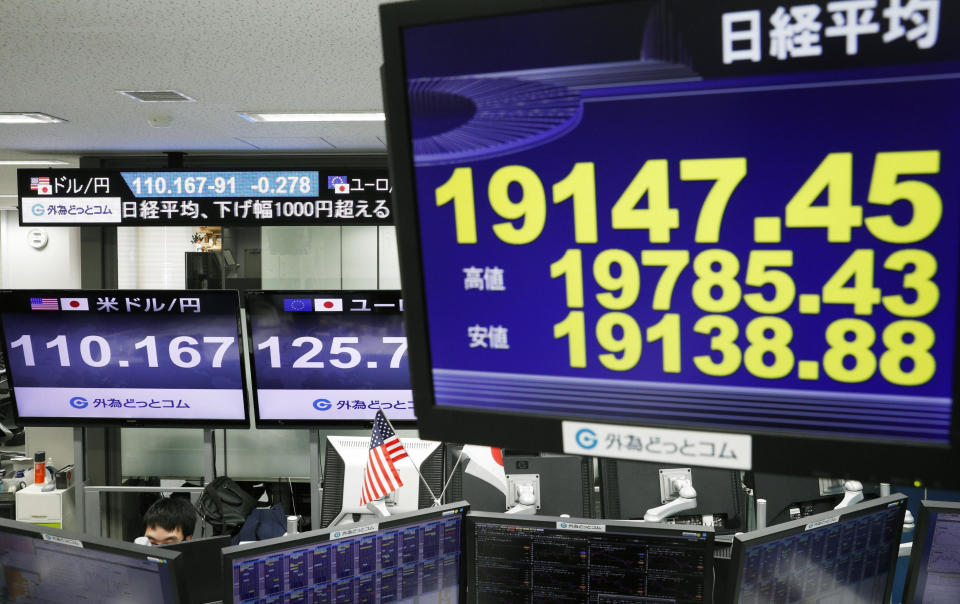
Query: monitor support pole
x=315, y=478
x=80, y=479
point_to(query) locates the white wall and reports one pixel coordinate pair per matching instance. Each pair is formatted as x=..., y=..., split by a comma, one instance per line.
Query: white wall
x=152, y=257
x=55, y=266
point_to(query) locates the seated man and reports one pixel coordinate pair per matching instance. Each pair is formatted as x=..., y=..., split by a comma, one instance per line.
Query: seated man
x=169, y=520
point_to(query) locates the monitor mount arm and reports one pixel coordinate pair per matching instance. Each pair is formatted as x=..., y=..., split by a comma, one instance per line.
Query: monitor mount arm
x=379, y=508
x=526, y=499
x=686, y=499
x=852, y=494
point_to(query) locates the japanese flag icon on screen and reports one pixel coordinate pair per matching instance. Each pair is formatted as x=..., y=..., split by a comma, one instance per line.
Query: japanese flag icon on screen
x=328, y=304
x=74, y=304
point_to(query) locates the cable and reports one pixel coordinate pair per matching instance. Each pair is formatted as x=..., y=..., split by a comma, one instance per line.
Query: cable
x=293, y=499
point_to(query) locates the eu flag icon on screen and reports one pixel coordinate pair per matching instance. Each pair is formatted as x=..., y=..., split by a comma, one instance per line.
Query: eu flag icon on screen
x=298, y=304
x=339, y=184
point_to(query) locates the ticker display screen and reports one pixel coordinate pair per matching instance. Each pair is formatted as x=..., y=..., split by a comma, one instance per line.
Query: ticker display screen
x=124, y=356
x=694, y=220
x=329, y=357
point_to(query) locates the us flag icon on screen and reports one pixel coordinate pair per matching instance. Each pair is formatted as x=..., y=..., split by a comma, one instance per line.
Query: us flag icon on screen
x=41, y=184
x=328, y=304
x=74, y=304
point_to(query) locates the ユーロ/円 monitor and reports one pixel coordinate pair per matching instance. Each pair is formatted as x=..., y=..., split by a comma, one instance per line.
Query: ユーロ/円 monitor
x=127, y=357
x=516, y=559
x=600, y=223
x=322, y=358
x=933, y=576
x=845, y=555
x=345, y=458
x=42, y=564
x=410, y=557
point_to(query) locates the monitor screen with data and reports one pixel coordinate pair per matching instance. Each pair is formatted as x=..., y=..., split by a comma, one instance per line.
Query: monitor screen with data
x=328, y=357
x=934, y=575
x=682, y=215
x=410, y=557
x=847, y=555
x=38, y=564
x=534, y=559
x=128, y=357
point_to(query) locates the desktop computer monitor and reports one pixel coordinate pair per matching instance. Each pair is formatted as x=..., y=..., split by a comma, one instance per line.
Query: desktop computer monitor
x=409, y=557
x=847, y=555
x=41, y=564
x=563, y=484
x=200, y=561
x=934, y=573
x=513, y=559
x=345, y=459
x=630, y=488
x=793, y=497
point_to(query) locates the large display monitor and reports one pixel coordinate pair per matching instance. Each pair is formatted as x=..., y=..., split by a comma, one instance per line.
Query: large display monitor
x=128, y=357
x=702, y=216
x=533, y=559
x=847, y=555
x=345, y=458
x=328, y=357
x=412, y=557
x=630, y=488
x=934, y=572
x=41, y=564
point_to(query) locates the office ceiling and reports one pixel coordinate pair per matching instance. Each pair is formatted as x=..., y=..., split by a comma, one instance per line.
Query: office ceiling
x=68, y=58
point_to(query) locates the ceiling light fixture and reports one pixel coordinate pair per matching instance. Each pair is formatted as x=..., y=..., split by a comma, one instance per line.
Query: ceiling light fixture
x=29, y=118
x=33, y=162
x=157, y=96
x=342, y=116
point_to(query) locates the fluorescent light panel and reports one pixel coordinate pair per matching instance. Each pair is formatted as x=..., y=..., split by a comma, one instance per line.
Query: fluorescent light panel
x=29, y=118
x=345, y=116
x=33, y=162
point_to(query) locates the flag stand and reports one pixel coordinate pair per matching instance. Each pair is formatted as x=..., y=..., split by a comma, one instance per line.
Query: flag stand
x=436, y=502
x=452, y=472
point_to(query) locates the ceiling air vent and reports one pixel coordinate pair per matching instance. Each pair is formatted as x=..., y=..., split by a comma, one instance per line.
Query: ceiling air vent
x=156, y=96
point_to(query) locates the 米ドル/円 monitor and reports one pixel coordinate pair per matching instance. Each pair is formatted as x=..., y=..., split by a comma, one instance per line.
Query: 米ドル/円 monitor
x=127, y=357
x=934, y=574
x=847, y=555
x=41, y=564
x=516, y=559
x=344, y=462
x=413, y=557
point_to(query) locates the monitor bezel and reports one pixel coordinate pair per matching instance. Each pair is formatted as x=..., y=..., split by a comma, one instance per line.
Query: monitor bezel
x=338, y=424
x=618, y=526
x=927, y=507
x=312, y=538
x=130, y=422
x=876, y=460
x=112, y=546
x=779, y=531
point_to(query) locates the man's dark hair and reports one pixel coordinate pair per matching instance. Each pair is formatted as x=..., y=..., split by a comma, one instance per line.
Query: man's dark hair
x=171, y=513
